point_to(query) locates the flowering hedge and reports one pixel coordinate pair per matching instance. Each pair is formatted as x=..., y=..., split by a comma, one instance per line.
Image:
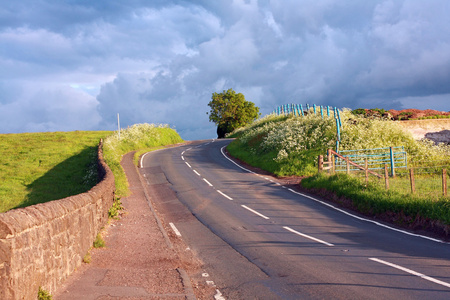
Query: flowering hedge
x=139, y=136
x=289, y=145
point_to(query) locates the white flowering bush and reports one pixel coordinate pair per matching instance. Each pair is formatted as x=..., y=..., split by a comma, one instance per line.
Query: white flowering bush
x=289, y=145
x=139, y=136
x=364, y=133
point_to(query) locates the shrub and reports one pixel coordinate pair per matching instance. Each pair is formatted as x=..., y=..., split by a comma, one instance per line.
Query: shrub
x=44, y=295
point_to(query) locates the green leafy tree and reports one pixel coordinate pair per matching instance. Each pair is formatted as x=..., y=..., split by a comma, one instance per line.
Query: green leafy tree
x=230, y=110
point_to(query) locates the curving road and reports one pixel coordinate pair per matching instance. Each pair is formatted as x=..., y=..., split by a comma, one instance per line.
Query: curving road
x=259, y=239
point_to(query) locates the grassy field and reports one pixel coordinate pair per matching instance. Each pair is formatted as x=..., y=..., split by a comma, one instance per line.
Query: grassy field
x=289, y=146
x=39, y=167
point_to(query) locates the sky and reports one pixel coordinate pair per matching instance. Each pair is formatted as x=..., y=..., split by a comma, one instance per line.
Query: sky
x=74, y=65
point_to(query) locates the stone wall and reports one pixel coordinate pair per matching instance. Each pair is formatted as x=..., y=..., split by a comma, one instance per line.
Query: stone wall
x=437, y=130
x=41, y=245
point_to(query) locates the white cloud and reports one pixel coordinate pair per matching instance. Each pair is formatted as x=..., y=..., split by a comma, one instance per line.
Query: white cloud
x=161, y=62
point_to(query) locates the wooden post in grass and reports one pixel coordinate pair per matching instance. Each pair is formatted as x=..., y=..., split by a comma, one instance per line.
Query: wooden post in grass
x=386, y=176
x=366, y=170
x=444, y=182
x=320, y=163
x=330, y=163
x=347, y=160
x=333, y=165
x=413, y=182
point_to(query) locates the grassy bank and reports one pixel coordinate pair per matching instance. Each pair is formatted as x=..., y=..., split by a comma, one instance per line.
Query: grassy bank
x=40, y=167
x=140, y=138
x=287, y=146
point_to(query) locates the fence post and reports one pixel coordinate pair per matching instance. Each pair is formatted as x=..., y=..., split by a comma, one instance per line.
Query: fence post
x=391, y=153
x=366, y=169
x=320, y=163
x=330, y=163
x=413, y=182
x=347, y=161
x=386, y=176
x=333, y=165
x=301, y=109
x=444, y=182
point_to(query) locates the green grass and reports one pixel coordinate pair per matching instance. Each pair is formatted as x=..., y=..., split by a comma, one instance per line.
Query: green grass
x=141, y=138
x=40, y=167
x=288, y=146
x=376, y=200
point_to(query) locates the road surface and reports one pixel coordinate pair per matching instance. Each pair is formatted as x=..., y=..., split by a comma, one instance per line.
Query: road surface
x=260, y=239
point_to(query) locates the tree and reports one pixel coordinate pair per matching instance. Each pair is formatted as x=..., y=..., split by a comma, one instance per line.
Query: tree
x=230, y=110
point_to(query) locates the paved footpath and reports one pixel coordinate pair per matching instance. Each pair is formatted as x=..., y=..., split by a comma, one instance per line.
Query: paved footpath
x=139, y=260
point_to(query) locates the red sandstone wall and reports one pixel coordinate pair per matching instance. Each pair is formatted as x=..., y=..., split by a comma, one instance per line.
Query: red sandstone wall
x=437, y=130
x=41, y=245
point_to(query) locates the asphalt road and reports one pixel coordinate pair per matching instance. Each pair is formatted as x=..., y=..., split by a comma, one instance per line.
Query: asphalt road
x=259, y=239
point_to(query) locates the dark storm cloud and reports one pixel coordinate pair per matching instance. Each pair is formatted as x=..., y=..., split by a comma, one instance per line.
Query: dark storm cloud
x=160, y=61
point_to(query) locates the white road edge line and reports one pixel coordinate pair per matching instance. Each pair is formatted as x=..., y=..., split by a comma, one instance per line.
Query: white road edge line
x=188, y=164
x=367, y=220
x=175, y=229
x=411, y=272
x=209, y=183
x=343, y=211
x=255, y=212
x=196, y=172
x=226, y=196
x=307, y=236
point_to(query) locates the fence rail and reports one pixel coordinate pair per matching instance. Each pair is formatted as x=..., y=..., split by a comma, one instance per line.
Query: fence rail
x=409, y=180
x=395, y=157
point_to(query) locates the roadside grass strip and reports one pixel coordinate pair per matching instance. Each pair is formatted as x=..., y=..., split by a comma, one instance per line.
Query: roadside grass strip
x=411, y=272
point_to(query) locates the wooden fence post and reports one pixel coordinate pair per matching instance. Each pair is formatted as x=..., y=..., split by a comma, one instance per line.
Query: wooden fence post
x=366, y=170
x=413, y=182
x=444, y=182
x=320, y=163
x=330, y=159
x=347, y=160
x=333, y=165
x=386, y=176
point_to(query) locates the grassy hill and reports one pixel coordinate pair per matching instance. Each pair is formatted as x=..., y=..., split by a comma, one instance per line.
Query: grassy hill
x=39, y=167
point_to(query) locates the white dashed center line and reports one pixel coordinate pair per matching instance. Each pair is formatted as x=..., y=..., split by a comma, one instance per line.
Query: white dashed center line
x=307, y=236
x=207, y=182
x=255, y=212
x=226, y=196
